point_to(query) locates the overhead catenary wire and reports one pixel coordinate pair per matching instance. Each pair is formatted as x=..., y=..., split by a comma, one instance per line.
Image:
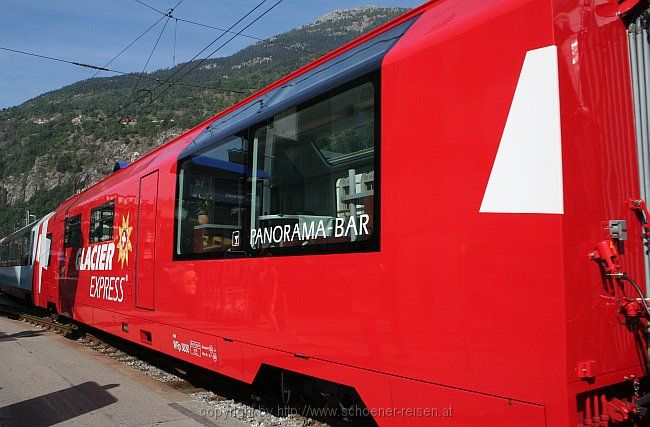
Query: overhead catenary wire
x=85, y=82
x=123, y=73
x=259, y=39
x=154, y=98
x=211, y=54
x=144, y=69
x=200, y=24
x=150, y=7
x=214, y=41
x=137, y=83
x=168, y=79
x=51, y=58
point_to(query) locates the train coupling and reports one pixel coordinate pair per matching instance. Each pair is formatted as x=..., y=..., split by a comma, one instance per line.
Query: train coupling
x=615, y=405
x=620, y=412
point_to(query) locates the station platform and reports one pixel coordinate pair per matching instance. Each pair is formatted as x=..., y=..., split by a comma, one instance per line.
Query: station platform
x=46, y=379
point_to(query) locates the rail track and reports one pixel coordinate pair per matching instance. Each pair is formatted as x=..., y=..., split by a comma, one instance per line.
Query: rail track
x=249, y=403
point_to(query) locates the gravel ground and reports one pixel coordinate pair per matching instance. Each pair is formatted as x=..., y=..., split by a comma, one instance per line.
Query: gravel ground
x=256, y=417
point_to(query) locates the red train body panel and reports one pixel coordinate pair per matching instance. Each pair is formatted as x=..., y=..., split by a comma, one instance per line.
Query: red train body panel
x=491, y=312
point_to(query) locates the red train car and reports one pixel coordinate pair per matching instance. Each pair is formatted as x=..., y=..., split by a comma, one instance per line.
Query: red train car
x=411, y=215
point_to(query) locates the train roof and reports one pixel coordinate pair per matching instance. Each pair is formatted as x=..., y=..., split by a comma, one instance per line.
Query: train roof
x=20, y=232
x=189, y=135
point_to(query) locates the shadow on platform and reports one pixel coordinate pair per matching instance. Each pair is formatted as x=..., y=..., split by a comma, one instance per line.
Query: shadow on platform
x=21, y=334
x=58, y=406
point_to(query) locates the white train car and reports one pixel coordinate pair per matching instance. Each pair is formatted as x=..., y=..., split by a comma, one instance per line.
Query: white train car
x=18, y=251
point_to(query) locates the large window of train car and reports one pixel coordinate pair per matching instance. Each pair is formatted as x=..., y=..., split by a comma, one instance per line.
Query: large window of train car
x=15, y=252
x=211, y=208
x=101, y=222
x=314, y=175
x=72, y=236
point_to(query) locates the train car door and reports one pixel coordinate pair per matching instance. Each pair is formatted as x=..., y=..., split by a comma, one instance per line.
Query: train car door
x=41, y=261
x=54, y=280
x=146, y=241
x=68, y=273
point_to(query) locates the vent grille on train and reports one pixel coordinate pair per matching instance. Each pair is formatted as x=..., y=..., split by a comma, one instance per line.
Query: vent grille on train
x=639, y=38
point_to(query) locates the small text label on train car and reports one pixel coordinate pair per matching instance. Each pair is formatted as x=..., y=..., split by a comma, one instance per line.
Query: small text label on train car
x=107, y=288
x=310, y=230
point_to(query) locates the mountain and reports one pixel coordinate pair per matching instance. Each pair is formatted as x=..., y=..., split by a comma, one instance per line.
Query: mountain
x=65, y=140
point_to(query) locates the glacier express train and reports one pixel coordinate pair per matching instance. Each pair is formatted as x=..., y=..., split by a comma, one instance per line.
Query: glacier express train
x=445, y=215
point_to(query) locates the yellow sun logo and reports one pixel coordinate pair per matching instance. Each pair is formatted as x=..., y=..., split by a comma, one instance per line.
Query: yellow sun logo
x=124, y=242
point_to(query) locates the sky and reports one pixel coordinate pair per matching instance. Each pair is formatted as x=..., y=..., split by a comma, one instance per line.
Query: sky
x=94, y=31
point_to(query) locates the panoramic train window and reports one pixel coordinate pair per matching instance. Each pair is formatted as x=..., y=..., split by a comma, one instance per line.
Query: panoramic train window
x=313, y=174
x=101, y=222
x=211, y=209
x=303, y=181
x=72, y=236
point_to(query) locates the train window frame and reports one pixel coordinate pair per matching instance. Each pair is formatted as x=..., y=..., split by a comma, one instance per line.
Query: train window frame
x=94, y=223
x=372, y=244
x=182, y=206
x=68, y=242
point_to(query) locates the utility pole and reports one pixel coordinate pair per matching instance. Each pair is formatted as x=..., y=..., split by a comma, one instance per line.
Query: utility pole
x=29, y=218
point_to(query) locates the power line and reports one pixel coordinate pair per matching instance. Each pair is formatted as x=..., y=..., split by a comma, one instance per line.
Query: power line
x=193, y=58
x=231, y=39
x=267, y=41
x=123, y=73
x=115, y=57
x=153, y=99
x=206, y=58
x=137, y=82
x=124, y=50
x=85, y=82
x=51, y=58
x=150, y=7
x=218, y=38
x=199, y=24
x=133, y=42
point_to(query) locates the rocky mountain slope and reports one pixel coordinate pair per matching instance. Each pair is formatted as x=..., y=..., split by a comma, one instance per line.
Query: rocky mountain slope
x=65, y=140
